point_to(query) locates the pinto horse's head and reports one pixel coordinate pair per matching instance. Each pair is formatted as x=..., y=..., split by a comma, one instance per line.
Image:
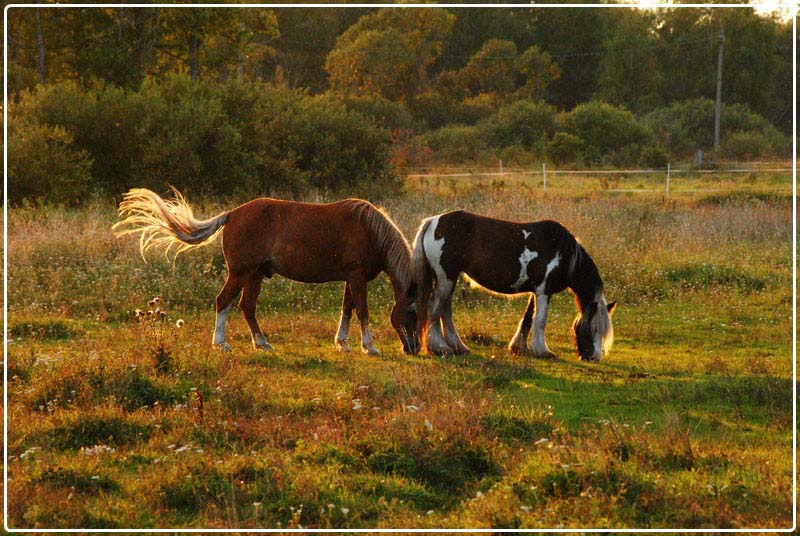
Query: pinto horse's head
x=593, y=331
x=404, y=320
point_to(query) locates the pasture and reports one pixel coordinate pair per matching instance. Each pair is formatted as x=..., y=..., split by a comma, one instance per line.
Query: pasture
x=119, y=422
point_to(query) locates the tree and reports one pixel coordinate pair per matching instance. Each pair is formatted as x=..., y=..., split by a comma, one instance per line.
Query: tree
x=629, y=71
x=392, y=43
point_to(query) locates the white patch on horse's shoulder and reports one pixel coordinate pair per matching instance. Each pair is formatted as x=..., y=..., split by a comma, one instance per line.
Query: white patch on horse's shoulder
x=526, y=234
x=433, y=249
x=550, y=267
x=526, y=257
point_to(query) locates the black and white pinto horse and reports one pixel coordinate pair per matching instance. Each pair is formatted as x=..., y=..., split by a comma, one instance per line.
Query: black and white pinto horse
x=540, y=258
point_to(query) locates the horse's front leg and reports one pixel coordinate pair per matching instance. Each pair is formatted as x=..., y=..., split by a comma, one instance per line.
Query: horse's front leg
x=538, y=344
x=358, y=289
x=450, y=333
x=519, y=342
x=436, y=342
x=248, y=306
x=344, y=320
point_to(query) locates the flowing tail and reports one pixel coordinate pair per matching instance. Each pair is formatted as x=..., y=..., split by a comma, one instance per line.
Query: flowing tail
x=162, y=223
x=423, y=275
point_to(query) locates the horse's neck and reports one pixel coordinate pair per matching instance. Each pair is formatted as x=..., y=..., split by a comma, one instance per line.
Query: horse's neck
x=398, y=268
x=585, y=280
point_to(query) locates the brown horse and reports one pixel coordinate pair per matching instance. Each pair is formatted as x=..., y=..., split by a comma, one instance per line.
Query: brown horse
x=540, y=259
x=349, y=241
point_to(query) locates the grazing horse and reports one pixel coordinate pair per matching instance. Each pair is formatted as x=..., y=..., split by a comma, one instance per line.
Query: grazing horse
x=540, y=258
x=349, y=241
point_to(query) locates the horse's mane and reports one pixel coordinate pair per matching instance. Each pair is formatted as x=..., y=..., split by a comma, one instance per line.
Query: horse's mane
x=388, y=238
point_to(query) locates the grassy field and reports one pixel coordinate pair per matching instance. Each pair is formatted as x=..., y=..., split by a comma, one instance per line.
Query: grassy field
x=115, y=423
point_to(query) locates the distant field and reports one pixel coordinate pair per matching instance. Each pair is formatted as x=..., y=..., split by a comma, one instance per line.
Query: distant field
x=686, y=424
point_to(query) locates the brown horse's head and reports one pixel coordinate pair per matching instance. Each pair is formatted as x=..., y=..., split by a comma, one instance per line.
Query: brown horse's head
x=404, y=319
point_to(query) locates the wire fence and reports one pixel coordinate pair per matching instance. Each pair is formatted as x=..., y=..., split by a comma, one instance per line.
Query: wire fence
x=659, y=180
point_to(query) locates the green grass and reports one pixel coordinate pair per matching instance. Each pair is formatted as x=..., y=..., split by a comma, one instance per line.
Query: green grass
x=115, y=423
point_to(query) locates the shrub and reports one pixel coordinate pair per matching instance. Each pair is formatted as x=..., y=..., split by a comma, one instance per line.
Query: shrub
x=456, y=143
x=564, y=148
x=68, y=141
x=683, y=127
x=383, y=113
x=524, y=123
x=746, y=145
x=606, y=128
x=43, y=163
x=654, y=156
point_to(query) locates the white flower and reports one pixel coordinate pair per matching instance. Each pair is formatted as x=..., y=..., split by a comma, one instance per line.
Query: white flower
x=412, y=407
x=179, y=324
x=428, y=425
x=541, y=441
x=345, y=511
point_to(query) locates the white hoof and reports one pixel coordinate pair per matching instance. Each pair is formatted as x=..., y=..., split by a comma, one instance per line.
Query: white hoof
x=370, y=350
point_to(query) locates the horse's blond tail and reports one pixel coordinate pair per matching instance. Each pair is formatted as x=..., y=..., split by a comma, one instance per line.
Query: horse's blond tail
x=162, y=223
x=423, y=276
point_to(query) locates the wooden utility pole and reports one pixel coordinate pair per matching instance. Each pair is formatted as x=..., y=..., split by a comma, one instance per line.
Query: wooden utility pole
x=718, y=104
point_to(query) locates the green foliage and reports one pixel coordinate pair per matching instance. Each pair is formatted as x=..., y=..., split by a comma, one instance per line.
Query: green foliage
x=607, y=131
x=654, y=156
x=683, y=127
x=745, y=146
x=564, y=148
x=457, y=143
x=42, y=330
x=236, y=136
x=524, y=123
x=43, y=162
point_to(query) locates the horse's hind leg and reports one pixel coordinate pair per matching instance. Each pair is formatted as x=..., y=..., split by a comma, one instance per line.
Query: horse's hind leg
x=358, y=289
x=225, y=299
x=247, y=304
x=344, y=321
x=519, y=342
x=450, y=333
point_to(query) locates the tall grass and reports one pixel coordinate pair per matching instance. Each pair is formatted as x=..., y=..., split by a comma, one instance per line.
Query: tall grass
x=686, y=424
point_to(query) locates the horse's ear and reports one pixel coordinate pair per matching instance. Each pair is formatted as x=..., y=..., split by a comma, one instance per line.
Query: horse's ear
x=611, y=307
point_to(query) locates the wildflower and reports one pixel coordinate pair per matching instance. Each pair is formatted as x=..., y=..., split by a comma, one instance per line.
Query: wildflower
x=139, y=313
x=428, y=425
x=179, y=323
x=357, y=404
x=345, y=511
x=525, y=508
x=541, y=441
x=412, y=407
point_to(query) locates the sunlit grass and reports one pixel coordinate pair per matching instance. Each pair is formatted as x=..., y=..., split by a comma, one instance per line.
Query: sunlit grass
x=686, y=424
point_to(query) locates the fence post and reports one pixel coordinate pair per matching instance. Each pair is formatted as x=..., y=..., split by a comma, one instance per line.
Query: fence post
x=544, y=176
x=666, y=195
x=501, y=166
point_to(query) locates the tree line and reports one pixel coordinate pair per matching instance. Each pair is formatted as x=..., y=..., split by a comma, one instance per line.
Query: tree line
x=594, y=86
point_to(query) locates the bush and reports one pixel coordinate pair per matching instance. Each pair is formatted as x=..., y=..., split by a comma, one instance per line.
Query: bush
x=746, y=145
x=383, y=113
x=236, y=136
x=684, y=127
x=524, y=123
x=654, y=156
x=607, y=130
x=44, y=164
x=564, y=148
x=456, y=144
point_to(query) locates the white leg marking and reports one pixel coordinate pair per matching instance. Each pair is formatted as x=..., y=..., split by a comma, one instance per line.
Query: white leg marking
x=367, y=342
x=433, y=251
x=519, y=339
x=219, y=330
x=260, y=342
x=341, y=335
x=526, y=257
x=538, y=344
x=526, y=234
